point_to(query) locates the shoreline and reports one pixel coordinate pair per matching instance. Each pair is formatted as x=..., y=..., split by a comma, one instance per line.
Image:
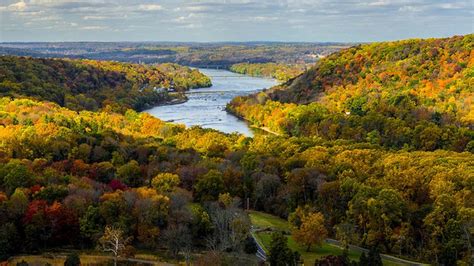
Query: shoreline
x=250, y=125
x=171, y=102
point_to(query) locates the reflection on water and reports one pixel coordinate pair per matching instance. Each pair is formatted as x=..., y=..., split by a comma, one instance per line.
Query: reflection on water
x=206, y=106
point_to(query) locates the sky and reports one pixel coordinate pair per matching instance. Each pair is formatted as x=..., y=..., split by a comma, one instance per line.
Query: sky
x=233, y=20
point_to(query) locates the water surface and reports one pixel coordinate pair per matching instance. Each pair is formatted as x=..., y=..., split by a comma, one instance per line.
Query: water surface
x=206, y=106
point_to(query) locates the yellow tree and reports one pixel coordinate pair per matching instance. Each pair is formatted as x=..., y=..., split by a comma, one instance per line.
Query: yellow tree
x=165, y=182
x=311, y=230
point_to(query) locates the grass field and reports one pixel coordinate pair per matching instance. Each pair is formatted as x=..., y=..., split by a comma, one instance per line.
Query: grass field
x=314, y=253
x=262, y=220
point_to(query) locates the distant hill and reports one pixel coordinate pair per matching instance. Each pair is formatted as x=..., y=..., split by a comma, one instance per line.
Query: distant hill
x=374, y=90
x=210, y=55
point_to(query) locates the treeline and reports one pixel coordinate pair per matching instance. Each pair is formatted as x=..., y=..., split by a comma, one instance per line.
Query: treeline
x=69, y=179
x=93, y=85
x=281, y=72
x=221, y=55
x=414, y=94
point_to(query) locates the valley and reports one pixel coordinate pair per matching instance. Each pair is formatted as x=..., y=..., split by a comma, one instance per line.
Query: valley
x=371, y=160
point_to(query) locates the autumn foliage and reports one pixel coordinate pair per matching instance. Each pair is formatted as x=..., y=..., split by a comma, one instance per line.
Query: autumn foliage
x=396, y=177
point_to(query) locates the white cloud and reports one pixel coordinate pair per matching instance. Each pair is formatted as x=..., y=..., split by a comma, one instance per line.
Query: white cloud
x=196, y=8
x=93, y=27
x=217, y=19
x=93, y=17
x=452, y=6
x=150, y=7
x=410, y=9
x=379, y=3
x=17, y=7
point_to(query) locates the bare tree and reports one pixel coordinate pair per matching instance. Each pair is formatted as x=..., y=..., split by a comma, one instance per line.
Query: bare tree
x=231, y=227
x=114, y=241
x=178, y=239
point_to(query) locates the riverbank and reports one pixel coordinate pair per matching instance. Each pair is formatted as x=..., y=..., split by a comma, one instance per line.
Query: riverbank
x=176, y=101
x=251, y=125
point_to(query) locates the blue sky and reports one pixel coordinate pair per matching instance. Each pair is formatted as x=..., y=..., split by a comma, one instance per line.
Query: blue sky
x=232, y=20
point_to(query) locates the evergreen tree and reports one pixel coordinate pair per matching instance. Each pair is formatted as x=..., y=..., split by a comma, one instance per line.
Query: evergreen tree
x=280, y=254
x=363, y=260
x=250, y=247
x=374, y=258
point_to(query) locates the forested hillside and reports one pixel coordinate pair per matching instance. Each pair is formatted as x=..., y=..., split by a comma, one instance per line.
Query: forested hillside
x=414, y=94
x=184, y=78
x=280, y=72
x=91, y=85
x=66, y=176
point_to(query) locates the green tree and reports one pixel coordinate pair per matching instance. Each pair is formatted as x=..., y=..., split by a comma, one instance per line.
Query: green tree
x=209, y=186
x=363, y=260
x=15, y=175
x=130, y=174
x=279, y=252
x=374, y=258
x=9, y=240
x=18, y=203
x=90, y=224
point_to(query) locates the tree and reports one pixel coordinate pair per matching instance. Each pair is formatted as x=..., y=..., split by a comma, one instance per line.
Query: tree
x=201, y=225
x=114, y=241
x=231, y=227
x=209, y=186
x=363, y=260
x=90, y=224
x=302, y=183
x=332, y=260
x=374, y=258
x=178, y=238
x=9, y=240
x=15, y=175
x=165, y=182
x=18, y=203
x=250, y=247
x=266, y=191
x=72, y=260
x=310, y=231
x=279, y=252
x=346, y=234
x=130, y=173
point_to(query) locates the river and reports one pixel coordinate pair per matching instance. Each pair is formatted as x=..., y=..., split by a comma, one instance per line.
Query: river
x=206, y=106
